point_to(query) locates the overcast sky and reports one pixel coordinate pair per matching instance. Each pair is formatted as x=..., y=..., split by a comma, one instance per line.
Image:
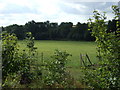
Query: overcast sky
x=22, y=11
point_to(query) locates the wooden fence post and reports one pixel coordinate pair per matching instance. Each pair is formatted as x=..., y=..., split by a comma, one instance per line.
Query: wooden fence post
x=88, y=59
x=42, y=57
x=82, y=60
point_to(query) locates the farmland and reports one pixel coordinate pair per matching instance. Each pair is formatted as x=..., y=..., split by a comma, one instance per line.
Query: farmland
x=34, y=55
x=47, y=47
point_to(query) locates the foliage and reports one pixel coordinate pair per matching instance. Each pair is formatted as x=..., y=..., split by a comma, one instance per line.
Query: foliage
x=51, y=31
x=9, y=54
x=29, y=58
x=27, y=70
x=16, y=29
x=57, y=69
x=106, y=75
x=17, y=63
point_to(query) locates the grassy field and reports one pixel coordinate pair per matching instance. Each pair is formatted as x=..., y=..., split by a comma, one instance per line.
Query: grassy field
x=72, y=47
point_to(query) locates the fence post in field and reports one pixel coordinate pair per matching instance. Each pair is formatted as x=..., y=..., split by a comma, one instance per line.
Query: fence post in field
x=42, y=57
x=88, y=59
x=82, y=61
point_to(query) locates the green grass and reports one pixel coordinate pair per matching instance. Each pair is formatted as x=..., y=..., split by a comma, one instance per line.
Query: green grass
x=72, y=47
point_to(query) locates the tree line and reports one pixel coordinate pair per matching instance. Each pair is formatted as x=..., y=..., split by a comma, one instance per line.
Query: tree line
x=52, y=31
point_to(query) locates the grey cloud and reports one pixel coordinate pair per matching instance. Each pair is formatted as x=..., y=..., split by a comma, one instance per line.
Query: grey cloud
x=72, y=10
x=98, y=5
x=69, y=10
x=90, y=7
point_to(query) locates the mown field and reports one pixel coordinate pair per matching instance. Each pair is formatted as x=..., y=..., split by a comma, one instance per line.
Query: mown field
x=48, y=47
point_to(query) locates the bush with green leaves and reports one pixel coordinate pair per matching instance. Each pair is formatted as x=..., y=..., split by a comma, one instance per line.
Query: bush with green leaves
x=56, y=68
x=28, y=59
x=21, y=66
x=106, y=75
x=18, y=62
x=9, y=54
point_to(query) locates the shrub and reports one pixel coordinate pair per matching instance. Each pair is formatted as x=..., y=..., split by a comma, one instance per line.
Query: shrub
x=57, y=69
x=9, y=54
x=15, y=62
x=108, y=46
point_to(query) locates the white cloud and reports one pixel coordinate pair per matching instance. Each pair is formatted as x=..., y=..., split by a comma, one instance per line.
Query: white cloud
x=2, y=6
x=22, y=11
x=64, y=17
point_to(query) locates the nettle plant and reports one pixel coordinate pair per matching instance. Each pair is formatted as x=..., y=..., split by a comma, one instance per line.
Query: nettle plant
x=108, y=47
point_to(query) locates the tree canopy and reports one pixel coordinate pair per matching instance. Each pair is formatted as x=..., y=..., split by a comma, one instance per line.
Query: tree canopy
x=52, y=31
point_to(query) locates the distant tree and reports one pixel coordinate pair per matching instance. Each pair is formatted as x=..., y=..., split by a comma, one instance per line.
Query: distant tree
x=42, y=30
x=31, y=27
x=51, y=31
x=16, y=29
x=80, y=32
x=64, y=29
x=112, y=26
